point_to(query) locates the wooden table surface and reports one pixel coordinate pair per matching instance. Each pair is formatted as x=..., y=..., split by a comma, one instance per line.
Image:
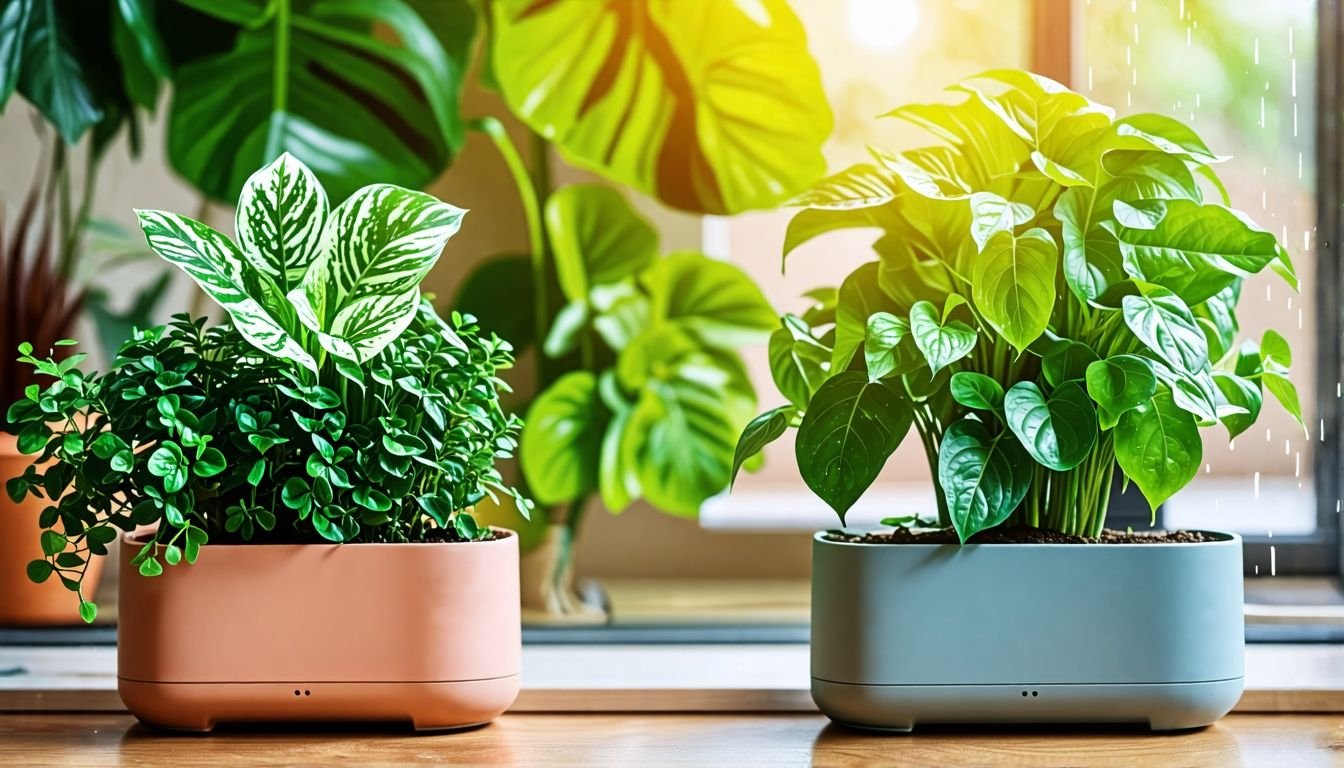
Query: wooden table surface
x=1298, y=741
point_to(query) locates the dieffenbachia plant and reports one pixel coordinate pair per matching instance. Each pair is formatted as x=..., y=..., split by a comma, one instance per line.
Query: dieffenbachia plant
x=314, y=286
x=1054, y=294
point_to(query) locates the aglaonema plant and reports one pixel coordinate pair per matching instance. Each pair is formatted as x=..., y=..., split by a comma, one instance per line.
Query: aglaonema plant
x=1054, y=296
x=334, y=406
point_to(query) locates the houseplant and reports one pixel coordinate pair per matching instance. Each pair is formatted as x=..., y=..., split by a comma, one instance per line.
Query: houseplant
x=716, y=129
x=1054, y=297
x=335, y=408
x=88, y=73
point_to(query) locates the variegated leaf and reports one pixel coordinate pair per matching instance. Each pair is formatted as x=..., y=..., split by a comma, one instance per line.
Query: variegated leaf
x=363, y=290
x=257, y=307
x=282, y=212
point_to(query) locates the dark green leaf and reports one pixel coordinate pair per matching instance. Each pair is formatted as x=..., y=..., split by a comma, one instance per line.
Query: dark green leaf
x=760, y=432
x=1118, y=384
x=1059, y=431
x=983, y=477
x=976, y=390
x=1157, y=445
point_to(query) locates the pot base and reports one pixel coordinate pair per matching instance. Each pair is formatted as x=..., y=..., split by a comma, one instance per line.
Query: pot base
x=199, y=707
x=899, y=708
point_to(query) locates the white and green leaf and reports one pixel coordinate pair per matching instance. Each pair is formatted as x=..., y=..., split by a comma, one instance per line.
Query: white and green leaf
x=282, y=214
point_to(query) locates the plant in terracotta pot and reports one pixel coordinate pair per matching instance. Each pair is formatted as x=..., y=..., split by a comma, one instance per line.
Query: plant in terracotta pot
x=328, y=442
x=639, y=389
x=1053, y=299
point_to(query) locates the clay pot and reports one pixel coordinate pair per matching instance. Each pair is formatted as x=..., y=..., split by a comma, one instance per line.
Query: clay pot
x=23, y=603
x=425, y=634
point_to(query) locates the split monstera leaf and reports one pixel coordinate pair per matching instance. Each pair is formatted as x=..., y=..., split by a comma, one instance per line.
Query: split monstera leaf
x=306, y=283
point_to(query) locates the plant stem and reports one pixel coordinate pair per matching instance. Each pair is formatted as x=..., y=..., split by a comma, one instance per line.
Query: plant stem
x=536, y=234
x=280, y=72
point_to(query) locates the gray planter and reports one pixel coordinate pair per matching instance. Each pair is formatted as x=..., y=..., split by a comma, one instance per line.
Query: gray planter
x=1027, y=633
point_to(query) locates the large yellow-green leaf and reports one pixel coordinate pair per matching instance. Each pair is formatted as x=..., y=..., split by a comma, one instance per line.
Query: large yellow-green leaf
x=597, y=238
x=1014, y=284
x=710, y=105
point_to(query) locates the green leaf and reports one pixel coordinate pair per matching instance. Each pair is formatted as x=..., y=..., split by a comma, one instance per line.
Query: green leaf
x=1158, y=446
x=858, y=299
x=983, y=477
x=1119, y=384
x=107, y=445
x=1068, y=362
x=13, y=26
x=39, y=571
x=139, y=50
x=760, y=432
x=596, y=238
x=798, y=361
x=1243, y=394
x=254, y=303
x=991, y=214
x=845, y=437
x=1194, y=250
x=364, y=289
x=715, y=128
x=1283, y=390
x=16, y=488
x=715, y=300
x=281, y=217
x=1059, y=431
x=52, y=542
x=889, y=347
x=51, y=76
x=1092, y=260
x=466, y=527
x=363, y=92
x=1165, y=134
x=210, y=463
x=1217, y=318
x=562, y=439
x=1275, y=354
x=172, y=554
x=617, y=475
x=196, y=538
x=1014, y=284
x=167, y=462
x=810, y=223
x=976, y=390
x=1194, y=393
x=1164, y=324
x=88, y=612
x=499, y=295
x=150, y=568
x=941, y=343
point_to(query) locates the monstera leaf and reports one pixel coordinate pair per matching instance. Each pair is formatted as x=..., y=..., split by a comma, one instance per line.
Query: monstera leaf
x=353, y=275
x=316, y=81
x=710, y=106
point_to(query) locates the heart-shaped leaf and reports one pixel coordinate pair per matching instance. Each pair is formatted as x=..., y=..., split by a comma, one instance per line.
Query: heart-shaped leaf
x=1164, y=324
x=983, y=477
x=889, y=348
x=760, y=432
x=1118, y=384
x=976, y=390
x=562, y=439
x=1059, y=431
x=1157, y=445
x=991, y=214
x=849, y=430
x=858, y=299
x=1241, y=393
x=798, y=361
x=52, y=77
x=715, y=124
x=1014, y=284
x=941, y=343
x=713, y=299
x=1092, y=259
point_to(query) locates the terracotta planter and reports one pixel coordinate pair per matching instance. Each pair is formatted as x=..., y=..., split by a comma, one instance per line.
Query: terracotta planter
x=23, y=603
x=425, y=634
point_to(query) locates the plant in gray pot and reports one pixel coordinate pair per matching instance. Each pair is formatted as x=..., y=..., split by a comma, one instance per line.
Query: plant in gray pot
x=1053, y=298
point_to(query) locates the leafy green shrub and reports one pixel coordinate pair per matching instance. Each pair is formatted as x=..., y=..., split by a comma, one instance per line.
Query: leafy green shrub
x=345, y=411
x=1054, y=295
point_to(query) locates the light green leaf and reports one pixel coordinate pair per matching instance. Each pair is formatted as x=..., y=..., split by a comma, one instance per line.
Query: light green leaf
x=849, y=430
x=1164, y=324
x=715, y=300
x=1014, y=284
x=983, y=478
x=991, y=214
x=1218, y=320
x=760, y=432
x=1163, y=133
x=566, y=328
x=976, y=390
x=617, y=476
x=858, y=186
x=1119, y=384
x=887, y=334
x=1194, y=393
x=562, y=439
x=254, y=303
x=1059, y=431
x=1275, y=353
x=364, y=289
x=636, y=91
x=1158, y=446
x=810, y=223
x=859, y=298
x=1092, y=260
x=282, y=214
x=1281, y=387
x=1242, y=393
x=798, y=362
x=941, y=343
x=596, y=237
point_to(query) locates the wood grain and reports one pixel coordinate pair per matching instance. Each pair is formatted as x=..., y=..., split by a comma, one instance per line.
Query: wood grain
x=1301, y=741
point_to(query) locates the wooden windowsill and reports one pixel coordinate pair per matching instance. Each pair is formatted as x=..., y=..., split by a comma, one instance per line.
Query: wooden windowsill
x=655, y=678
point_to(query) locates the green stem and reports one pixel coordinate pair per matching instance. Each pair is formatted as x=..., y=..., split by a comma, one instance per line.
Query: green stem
x=280, y=71
x=536, y=234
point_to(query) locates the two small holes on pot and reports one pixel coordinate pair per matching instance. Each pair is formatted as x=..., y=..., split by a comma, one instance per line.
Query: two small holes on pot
x=1032, y=693
x=297, y=692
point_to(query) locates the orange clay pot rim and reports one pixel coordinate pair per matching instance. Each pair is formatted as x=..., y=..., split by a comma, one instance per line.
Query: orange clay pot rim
x=139, y=538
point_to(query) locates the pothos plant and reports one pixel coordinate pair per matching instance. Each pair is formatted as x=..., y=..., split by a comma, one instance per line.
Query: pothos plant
x=639, y=391
x=336, y=405
x=1054, y=295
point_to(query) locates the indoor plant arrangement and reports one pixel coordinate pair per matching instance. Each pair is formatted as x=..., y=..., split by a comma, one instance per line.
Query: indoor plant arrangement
x=335, y=407
x=706, y=129
x=1054, y=296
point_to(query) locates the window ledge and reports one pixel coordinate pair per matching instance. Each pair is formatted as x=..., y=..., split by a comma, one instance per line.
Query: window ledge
x=655, y=678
